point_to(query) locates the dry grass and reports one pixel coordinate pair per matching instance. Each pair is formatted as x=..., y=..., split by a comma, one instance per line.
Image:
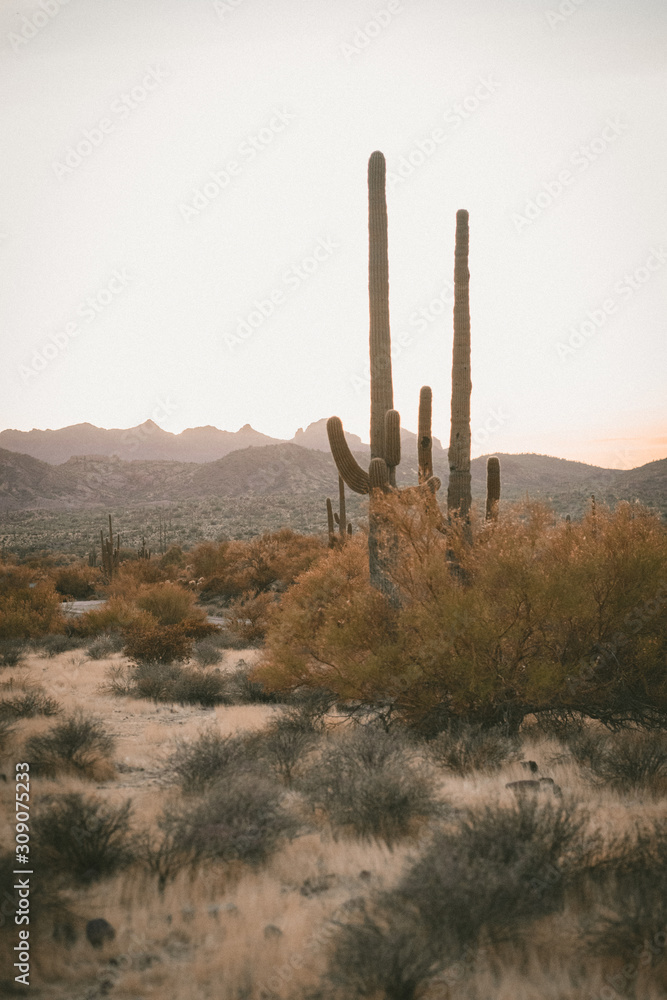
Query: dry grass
x=226, y=932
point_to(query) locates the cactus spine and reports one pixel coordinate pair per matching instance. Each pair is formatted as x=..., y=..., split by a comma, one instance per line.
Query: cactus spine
x=458, y=493
x=492, y=488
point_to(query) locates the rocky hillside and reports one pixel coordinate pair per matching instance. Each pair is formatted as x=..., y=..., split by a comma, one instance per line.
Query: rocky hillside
x=288, y=470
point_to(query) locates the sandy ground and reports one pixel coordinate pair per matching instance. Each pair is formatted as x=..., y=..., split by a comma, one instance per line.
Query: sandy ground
x=231, y=933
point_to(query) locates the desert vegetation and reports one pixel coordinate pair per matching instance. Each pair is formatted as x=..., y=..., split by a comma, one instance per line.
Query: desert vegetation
x=423, y=760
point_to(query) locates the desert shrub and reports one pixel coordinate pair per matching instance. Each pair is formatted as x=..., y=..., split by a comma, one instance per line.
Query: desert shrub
x=27, y=705
x=147, y=641
x=54, y=645
x=365, y=783
x=632, y=909
x=105, y=645
x=29, y=611
x=238, y=820
x=12, y=652
x=77, y=583
x=7, y=731
x=248, y=617
x=82, y=837
x=625, y=760
x=241, y=688
x=283, y=744
x=498, y=868
x=207, y=653
x=78, y=744
x=211, y=757
x=464, y=748
x=199, y=687
x=168, y=603
x=381, y=951
x=271, y=562
x=163, y=855
x=132, y=574
x=540, y=615
x=115, y=615
x=168, y=682
x=173, y=557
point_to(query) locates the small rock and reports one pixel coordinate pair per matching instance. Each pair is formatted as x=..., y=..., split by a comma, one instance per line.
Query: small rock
x=99, y=931
x=365, y=874
x=272, y=931
x=547, y=781
x=529, y=765
x=214, y=910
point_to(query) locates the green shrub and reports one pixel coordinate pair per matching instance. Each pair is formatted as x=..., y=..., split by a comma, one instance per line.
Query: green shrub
x=78, y=744
x=82, y=838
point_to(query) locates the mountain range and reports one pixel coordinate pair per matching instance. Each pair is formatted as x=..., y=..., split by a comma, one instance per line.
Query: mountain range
x=292, y=470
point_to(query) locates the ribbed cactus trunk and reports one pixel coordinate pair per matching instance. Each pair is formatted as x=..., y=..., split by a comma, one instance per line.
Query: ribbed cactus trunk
x=492, y=488
x=458, y=493
x=382, y=392
x=342, y=514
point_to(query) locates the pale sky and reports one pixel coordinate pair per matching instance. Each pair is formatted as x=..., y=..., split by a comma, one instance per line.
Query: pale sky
x=137, y=285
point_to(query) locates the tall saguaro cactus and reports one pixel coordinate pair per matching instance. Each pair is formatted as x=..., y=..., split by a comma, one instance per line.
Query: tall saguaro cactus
x=492, y=488
x=385, y=426
x=459, y=497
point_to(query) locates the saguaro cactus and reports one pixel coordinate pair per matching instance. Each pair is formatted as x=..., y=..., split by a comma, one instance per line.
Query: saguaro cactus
x=459, y=496
x=492, y=488
x=385, y=425
x=338, y=518
x=110, y=555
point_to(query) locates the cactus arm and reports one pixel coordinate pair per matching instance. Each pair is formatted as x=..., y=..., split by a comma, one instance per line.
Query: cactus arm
x=424, y=436
x=392, y=442
x=382, y=396
x=348, y=467
x=492, y=488
x=458, y=493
